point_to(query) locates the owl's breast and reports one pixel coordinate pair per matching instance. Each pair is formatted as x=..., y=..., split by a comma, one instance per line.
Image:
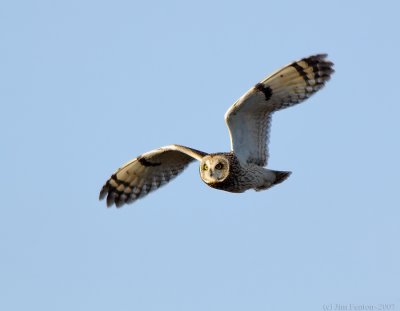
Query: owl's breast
x=229, y=184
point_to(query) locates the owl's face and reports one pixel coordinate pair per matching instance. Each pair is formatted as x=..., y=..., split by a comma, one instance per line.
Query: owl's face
x=214, y=168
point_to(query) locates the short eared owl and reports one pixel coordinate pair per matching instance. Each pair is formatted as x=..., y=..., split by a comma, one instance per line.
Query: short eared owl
x=248, y=120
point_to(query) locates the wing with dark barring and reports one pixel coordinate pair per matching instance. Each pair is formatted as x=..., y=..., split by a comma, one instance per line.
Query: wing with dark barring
x=147, y=173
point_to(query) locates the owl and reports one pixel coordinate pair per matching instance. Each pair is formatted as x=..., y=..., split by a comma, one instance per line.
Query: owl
x=249, y=122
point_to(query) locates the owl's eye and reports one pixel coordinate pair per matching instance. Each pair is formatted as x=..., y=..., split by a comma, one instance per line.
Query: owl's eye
x=219, y=166
x=205, y=167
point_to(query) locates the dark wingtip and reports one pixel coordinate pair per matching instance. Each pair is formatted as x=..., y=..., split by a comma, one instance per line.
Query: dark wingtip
x=110, y=199
x=322, y=55
x=103, y=192
x=318, y=56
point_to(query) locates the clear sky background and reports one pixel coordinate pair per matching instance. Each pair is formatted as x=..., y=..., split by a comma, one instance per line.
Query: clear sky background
x=87, y=85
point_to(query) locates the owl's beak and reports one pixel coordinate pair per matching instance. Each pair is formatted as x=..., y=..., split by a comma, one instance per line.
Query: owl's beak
x=211, y=173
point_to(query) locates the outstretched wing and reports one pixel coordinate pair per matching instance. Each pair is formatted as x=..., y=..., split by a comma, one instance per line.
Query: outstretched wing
x=249, y=118
x=146, y=173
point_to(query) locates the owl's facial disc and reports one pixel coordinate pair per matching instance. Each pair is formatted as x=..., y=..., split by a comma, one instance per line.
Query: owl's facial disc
x=214, y=169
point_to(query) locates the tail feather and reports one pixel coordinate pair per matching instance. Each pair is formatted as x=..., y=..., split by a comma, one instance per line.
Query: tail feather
x=280, y=176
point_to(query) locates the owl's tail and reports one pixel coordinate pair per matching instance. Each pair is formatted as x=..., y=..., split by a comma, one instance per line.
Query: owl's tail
x=280, y=176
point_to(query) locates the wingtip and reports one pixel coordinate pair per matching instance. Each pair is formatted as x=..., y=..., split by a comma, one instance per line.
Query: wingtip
x=110, y=199
x=103, y=193
x=319, y=55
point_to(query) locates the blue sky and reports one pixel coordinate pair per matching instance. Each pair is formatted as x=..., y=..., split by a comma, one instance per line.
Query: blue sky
x=87, y=85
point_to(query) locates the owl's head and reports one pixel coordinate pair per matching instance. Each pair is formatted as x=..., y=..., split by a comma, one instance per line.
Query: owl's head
x=214, y=168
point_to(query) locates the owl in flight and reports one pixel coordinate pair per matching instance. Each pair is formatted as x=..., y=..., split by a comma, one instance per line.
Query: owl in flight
x=248, y=120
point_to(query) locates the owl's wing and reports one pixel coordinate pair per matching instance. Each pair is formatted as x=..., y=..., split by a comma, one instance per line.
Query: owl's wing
x=249, y=118
x=146, y=173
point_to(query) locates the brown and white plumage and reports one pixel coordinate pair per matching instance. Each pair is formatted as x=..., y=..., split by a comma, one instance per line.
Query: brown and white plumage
x=147, y=172
x=248, y=120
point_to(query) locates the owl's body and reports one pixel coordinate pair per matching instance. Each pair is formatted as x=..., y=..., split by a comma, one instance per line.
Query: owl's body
x=235, y=176
x=248, y=120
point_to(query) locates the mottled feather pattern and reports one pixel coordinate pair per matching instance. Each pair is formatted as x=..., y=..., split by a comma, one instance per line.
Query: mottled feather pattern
x=146, y=173
x=298, y=80
x=249, y=119
x=129, y=187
